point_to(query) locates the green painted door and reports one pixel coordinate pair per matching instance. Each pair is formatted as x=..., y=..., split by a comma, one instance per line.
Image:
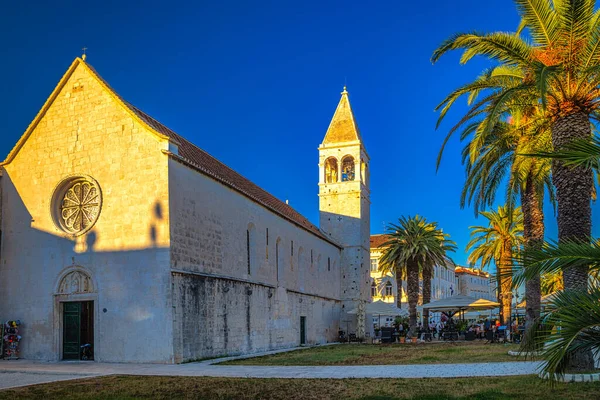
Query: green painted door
x=71, y=330
x=302, y=330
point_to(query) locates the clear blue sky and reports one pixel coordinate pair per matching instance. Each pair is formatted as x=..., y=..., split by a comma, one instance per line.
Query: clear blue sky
x=256, y=83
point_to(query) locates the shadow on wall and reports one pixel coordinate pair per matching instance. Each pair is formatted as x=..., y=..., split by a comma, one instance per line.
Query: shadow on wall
x=157, y=216
x=134, y=283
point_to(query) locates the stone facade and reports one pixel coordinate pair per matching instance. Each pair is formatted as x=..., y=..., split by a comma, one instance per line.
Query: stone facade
x=183, y=261
x=475, y=283
x=234, y=306
x=82, y=131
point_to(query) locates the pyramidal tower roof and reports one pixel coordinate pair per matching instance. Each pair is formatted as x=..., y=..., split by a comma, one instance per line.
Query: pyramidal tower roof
x=343, y=127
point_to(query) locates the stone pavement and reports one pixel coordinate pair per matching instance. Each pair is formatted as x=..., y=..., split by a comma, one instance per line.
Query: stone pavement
x=16, y=379
x=25, y=372
x=28, y=372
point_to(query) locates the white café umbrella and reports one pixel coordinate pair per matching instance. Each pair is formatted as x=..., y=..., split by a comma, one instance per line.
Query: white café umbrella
x=460, y=303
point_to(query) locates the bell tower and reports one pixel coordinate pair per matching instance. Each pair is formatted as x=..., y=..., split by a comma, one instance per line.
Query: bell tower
x=344, y=205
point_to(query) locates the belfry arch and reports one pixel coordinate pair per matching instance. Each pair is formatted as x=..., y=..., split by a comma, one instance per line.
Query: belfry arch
x=331, y=170
x=348, y=168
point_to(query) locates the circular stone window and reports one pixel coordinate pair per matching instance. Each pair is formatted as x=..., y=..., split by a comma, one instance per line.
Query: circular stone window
x=76, y=204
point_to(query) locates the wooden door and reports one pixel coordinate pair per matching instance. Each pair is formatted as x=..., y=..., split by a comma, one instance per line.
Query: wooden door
x=71, y=330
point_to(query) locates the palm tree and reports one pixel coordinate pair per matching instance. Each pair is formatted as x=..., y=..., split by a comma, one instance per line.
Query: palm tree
x=551, y=283
x=571, y=324
x=559, y=67
x=427, y=273
x=413, y=243
x=489, y=157
x=498, y=242
x=399, y=273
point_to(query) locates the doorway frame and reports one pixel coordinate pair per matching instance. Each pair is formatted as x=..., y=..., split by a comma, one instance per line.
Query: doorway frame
x=58, y=316
x=303, y=333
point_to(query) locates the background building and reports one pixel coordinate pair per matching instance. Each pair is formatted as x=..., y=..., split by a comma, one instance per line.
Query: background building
x=475, y=283
x=383, y=286
x=446, y=282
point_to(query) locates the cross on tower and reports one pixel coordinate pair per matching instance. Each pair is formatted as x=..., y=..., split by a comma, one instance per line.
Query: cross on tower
x=83, y=57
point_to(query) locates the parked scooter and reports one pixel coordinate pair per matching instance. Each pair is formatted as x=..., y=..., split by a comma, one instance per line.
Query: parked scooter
x=86, y=351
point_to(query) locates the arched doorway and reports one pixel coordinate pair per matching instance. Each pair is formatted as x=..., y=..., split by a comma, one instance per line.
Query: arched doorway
x=75, y=301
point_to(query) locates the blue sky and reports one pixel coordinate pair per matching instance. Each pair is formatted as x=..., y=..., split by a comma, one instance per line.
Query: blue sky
x=256, y=83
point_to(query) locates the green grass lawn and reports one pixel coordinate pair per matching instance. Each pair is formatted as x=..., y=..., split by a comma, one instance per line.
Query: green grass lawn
x=356, y=354
x=157, y=387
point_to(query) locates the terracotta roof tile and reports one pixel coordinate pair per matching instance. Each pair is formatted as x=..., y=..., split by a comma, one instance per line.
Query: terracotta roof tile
x=378, y=240
x=471, y=271
x=201, y=160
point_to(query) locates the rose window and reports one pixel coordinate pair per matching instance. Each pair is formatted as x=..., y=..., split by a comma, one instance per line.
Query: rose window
x=78, y=204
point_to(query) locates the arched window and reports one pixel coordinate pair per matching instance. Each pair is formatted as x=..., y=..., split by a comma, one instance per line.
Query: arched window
x=347, y=169
x=389, y=290
x=373, y=289
x=331, y=170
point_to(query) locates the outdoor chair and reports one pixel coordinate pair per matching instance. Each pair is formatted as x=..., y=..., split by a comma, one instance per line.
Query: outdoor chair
x=386, y=335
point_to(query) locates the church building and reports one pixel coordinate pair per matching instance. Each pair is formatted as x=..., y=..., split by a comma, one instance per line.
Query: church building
x=119, y=233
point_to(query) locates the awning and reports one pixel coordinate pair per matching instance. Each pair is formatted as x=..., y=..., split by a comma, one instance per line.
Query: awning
x=381, y=308
x=460, y=303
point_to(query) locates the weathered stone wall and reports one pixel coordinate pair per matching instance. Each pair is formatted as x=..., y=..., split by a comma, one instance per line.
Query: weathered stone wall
x=86, y=132
x=216, y=317
x=209, y=224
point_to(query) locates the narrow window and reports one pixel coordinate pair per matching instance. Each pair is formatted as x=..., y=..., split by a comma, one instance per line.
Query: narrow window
x=251, y=248
x=292, y=247
x=311, y=257
x=267, y=246
x=248, y=248
x=277, y=259
x=328, y=264
x=373, y=290
x=388, y=289
x=374, y=265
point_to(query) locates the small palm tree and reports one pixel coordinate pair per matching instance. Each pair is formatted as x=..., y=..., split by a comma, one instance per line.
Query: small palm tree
x=570, y=326
x=412, y=244
x=498, y=242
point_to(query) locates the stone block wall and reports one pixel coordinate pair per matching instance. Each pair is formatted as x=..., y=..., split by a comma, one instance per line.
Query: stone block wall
x=218, y=317
x=209, y=261
x=84, y=131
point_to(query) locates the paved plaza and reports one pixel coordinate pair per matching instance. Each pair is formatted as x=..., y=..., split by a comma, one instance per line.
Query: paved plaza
x=24, y=372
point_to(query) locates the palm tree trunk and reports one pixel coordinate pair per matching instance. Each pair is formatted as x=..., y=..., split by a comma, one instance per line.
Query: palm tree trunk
x=505, y=286
x=398, y=287
x=573, y=194
x=412, y=287
x=533, y=236
x=426, y=293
